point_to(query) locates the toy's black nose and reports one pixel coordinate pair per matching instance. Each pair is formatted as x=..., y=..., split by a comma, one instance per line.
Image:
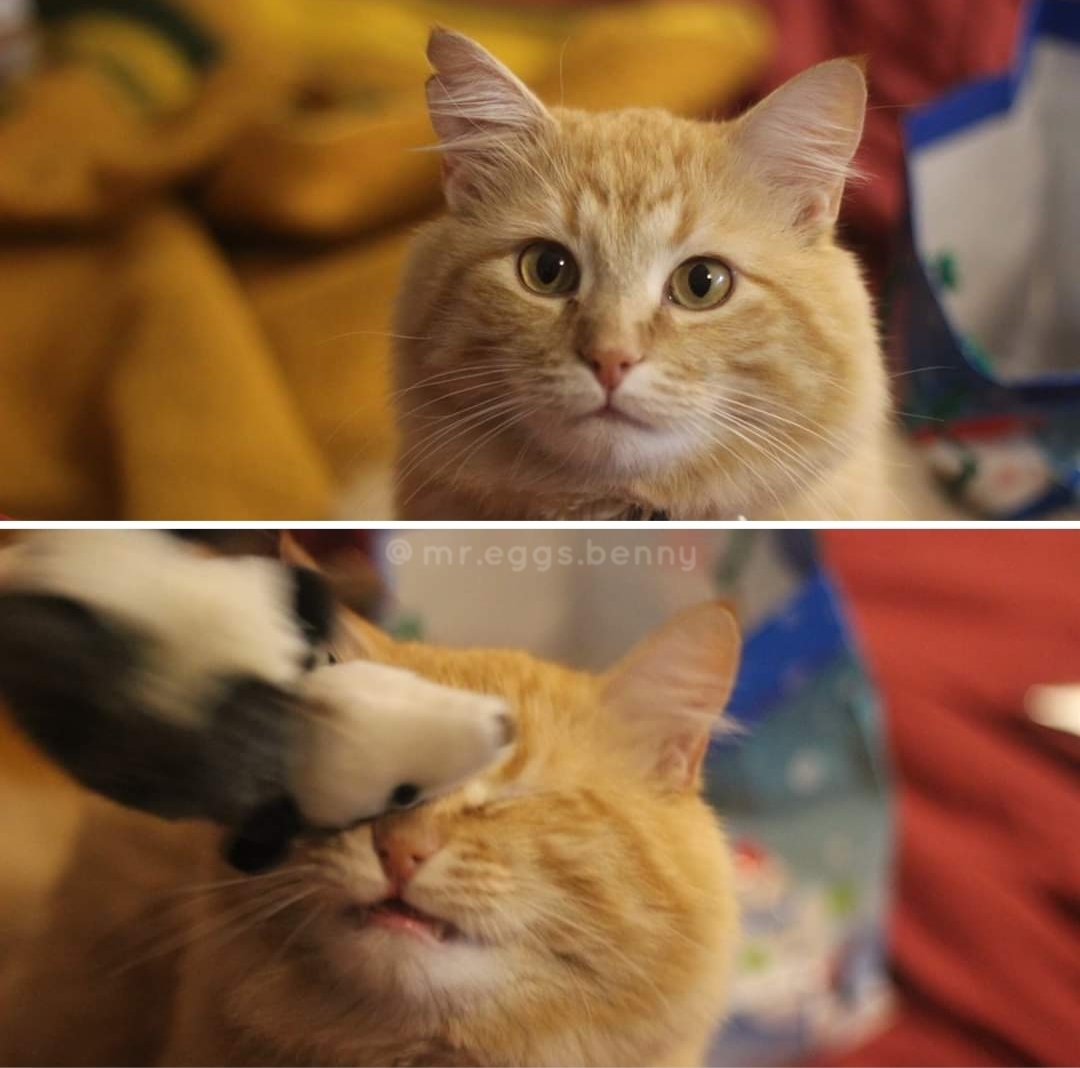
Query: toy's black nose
x=264, y=838
x=404, y=795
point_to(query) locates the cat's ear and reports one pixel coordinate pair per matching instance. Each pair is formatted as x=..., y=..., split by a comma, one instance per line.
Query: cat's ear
x=357, y=639
x=799, y=142
x=291, y=552
x=671, y=689
x=479, y=109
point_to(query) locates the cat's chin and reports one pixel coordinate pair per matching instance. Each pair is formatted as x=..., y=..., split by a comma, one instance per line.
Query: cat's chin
x=613, y=444
x=400, y=957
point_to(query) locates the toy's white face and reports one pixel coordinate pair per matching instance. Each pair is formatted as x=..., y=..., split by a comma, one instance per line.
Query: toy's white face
x=386, y=738
x=185, y=633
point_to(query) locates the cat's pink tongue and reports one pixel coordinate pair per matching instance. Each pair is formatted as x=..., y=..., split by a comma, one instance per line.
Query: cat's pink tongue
x=397, y=916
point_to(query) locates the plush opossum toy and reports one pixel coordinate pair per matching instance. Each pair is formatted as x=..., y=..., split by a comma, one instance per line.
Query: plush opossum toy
x=189, y=685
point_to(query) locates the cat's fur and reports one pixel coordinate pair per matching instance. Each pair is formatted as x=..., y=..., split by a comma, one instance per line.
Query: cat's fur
x=774, y=404
x=591, y=879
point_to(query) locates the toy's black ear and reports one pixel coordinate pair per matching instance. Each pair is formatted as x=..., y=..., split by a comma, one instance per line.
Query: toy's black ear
x=313, y=603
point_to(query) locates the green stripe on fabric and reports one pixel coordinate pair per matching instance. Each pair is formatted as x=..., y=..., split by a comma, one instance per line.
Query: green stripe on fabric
x=126, y=80
x=196, y=45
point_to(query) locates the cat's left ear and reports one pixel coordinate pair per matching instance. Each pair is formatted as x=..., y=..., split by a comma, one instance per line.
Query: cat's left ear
x=800, y=141
x=479, y=109
x=357, y=639
x=672, y=688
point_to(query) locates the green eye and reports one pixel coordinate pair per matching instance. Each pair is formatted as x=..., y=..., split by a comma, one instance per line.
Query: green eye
x=701, y=283
x=549, y=269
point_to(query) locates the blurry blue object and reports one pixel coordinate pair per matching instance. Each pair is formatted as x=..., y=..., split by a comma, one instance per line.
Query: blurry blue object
x=785, y=651
x=804, y=792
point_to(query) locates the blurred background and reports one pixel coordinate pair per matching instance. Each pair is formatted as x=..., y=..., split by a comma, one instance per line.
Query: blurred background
x=906, y=825
x=204, y=208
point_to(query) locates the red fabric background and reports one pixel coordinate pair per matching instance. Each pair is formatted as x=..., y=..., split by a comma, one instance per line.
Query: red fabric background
x=986, y=931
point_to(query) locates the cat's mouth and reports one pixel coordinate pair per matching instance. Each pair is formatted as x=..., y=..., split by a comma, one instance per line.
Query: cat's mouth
x=395, y=914
x=609, y=413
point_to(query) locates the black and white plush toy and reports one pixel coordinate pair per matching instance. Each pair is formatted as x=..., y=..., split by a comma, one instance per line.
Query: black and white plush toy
x=195, y=686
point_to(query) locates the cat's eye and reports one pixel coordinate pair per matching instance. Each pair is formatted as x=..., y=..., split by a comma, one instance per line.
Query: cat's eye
x=701, y=283
x=547, y=268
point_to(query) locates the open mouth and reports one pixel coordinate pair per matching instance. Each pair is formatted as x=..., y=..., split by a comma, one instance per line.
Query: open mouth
x=394, y=914
x=610, y=414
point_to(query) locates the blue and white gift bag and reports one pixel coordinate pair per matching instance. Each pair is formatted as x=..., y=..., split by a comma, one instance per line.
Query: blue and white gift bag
x=800, y=782
x=986, y=314
x=803, y=788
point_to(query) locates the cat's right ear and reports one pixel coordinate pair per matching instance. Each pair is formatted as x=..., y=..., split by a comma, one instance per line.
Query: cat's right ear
x=672, y=688
x=480, y=111
x=800, y=141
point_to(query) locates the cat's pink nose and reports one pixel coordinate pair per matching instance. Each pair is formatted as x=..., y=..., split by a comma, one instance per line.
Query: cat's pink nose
x=611, y=366
x=403, y=847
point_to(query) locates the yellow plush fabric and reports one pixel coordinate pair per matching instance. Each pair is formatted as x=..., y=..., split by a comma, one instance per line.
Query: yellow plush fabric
x=203, y=211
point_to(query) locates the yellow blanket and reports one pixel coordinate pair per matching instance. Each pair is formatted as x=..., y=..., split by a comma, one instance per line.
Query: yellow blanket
x=203, y=211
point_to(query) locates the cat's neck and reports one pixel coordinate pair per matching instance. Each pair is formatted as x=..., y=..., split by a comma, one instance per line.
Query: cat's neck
x=242, y=1002
x=287, y=1023
x=236, y=1008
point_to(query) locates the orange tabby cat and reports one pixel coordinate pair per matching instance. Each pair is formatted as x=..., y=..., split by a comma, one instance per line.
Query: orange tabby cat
x=573, y=906
x=627, y=313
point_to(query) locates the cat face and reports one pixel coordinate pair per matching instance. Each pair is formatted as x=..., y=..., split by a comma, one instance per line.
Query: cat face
x=630, y=296
x=573, y=905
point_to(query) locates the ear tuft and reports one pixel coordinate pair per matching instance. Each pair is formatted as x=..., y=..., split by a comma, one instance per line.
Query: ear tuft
x=290, y=551
x=478, y=108
x=801, y=140
x=672, y=688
